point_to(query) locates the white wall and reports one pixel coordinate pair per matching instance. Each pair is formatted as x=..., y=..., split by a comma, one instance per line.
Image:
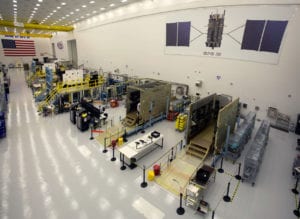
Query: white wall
x=42, y=45
x=132, y=39
x=62, y=37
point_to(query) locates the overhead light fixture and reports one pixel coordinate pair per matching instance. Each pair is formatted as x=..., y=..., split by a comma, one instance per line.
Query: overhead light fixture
x=40, y=0
x=63, y=3
x=77, y=9
x=71, y=12
x=34, y=12
x=84, y=6
x=38, y=5
x=112, y=5
x=92, y=2
x=15, y=5
x=67, y=15
x=15, y=9
x=102, y=9
x=48, y=16
x=54, y=11
x=123, y=1
x=35, y=8
x=82, y=16
x=14, y=1
x=58, y=7
x=51, y=13
x=94, y=12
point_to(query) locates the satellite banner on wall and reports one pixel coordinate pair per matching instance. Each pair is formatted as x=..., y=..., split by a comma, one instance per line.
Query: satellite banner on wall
x=249, y=33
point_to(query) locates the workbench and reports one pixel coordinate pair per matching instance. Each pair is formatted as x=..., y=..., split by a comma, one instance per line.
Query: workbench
x=135, y=150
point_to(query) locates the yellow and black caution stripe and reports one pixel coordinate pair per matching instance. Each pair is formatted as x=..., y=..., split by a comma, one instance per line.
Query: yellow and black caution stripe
x=235, y=190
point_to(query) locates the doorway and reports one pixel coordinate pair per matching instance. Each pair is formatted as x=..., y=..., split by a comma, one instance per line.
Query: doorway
x=72, y=51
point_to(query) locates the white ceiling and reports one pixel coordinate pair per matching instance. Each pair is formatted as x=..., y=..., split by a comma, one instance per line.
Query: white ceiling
x=54, y=12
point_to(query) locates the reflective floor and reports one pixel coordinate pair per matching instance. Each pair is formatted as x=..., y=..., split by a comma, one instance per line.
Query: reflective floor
x=49, y=169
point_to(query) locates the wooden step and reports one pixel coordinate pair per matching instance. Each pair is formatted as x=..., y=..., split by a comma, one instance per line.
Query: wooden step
x=198, y=150
x=130, y=120
x=195, y=154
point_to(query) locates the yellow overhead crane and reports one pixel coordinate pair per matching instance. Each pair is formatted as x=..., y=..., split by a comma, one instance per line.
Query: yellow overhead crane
x=33, y=26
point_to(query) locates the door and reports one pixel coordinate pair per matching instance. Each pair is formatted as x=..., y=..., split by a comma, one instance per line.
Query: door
x=72, y=50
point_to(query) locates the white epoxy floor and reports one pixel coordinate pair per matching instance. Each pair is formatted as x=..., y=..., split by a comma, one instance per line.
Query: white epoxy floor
x=49, y=169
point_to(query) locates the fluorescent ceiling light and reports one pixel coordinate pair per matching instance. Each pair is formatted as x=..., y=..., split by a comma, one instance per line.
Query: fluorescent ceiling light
x=94, y=12
x=51, y=13
x=58, y=7
x=15, y=5
x=123, y=1
x=15, y=9
x=38, y=5
x=71, y=12
x=14, y=1
x=40, y=0
x=84, y=6
x=35, y=9
x=82, y=16
x=77, y=9
x=87, y=14
x=112, y=5
x=63, y=3
x=102, y=9
x=67, y=15
x=54, y=11
x=92, y=2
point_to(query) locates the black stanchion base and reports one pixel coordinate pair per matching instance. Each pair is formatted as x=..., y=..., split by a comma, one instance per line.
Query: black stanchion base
x=297, y=213
x=238, y=177
x=113, y=159
x=104, y=151
x=144, y=184
x=123, y=168
x=295, y=191
x=220, y=170
x=143, y=131
x=226, y=198
x=91, y=138
x=180, y=211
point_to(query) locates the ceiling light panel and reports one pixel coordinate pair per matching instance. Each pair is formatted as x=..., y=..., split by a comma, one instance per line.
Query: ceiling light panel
x=46, y=11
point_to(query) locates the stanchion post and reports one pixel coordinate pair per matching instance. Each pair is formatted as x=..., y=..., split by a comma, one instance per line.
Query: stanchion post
x=180, y=210
x=227, y=198
x=221, y=170
x=104, y=150
x=294, y=190
x=113, y=144
x=213, y=215
x=123, y=167
x=238, y=176
x=297, y=211
x=144, y=184
x=91, y=127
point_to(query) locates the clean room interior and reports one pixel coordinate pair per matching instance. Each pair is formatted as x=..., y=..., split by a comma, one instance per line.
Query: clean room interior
x=51, y=169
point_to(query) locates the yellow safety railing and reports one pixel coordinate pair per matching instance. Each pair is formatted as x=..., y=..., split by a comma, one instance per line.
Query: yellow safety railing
x=70, y=87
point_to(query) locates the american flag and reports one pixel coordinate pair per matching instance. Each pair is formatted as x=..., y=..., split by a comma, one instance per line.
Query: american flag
x=18, y=47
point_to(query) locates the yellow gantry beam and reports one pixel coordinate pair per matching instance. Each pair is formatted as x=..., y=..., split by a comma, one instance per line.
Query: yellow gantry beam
x=35, y=26
x=26, y=34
